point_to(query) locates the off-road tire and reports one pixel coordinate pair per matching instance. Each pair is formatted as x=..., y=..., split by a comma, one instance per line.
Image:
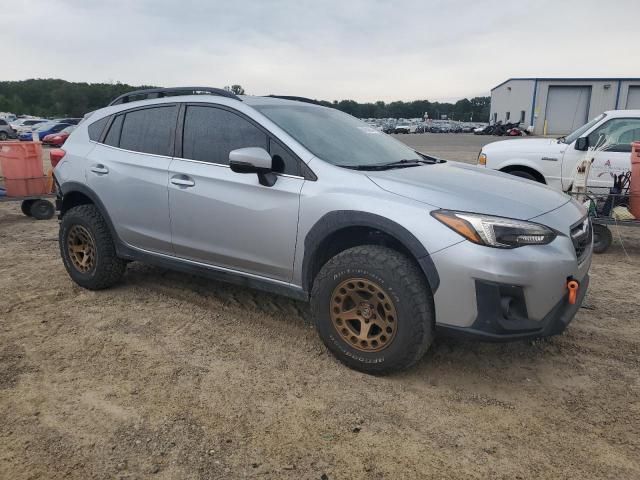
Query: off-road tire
x=41, y=209
x=403, y=282
x=25, y=206
x=107, y=268
x=602, y=238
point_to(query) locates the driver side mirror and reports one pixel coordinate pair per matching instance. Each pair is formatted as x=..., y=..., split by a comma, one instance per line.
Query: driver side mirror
x=253, y=160
x=582, y=144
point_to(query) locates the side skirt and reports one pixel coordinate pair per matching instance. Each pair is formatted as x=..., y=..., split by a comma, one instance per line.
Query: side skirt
x=214, y=273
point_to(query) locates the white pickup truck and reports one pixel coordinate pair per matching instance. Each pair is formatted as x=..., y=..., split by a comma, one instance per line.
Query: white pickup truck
x=553, y=161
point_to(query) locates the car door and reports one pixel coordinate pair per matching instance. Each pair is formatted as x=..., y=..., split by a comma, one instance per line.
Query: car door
x=228, y=219
x=128, y=170
x=615, y=157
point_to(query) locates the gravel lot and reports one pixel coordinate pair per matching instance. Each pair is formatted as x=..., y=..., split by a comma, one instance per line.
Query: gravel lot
x=170, y=376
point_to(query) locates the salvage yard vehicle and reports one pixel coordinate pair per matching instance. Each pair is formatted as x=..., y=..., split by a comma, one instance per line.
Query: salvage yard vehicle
x=553, y=161
x=389, y=245
x=6, y=131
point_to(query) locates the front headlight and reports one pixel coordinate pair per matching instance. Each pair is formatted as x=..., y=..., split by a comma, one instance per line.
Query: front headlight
x=495, y=232
x=482, y=159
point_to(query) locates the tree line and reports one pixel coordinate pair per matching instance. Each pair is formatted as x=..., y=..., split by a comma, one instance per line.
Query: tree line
x=58, y=98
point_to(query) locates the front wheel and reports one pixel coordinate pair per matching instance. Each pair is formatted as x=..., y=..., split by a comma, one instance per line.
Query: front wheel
x=523, y=174
x=373, y=309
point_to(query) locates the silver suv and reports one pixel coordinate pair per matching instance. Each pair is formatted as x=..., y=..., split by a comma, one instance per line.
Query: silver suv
x=6, y=131
x=389, y=245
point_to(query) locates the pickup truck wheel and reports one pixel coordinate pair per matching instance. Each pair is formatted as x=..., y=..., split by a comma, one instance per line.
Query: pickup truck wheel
x=602, y=238
x=88, y=250
x=523, y=174
x=373, y=309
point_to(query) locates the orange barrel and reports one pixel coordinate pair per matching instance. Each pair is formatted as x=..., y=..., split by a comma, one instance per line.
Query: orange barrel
x=634, y=188
x=21, y=167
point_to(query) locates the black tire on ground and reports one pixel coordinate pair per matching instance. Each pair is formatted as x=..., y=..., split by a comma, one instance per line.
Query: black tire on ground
x=3, y=136
x=602, y=238
x=401, y=281
x=42, y=209
x=523, y=174
x=25, y=206
x=104, y=269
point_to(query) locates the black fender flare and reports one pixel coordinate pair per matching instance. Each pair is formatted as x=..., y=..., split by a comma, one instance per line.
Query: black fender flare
x=339, y=219
x=72, y=187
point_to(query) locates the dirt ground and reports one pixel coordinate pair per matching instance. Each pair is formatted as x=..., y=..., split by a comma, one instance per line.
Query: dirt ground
x=170, y=376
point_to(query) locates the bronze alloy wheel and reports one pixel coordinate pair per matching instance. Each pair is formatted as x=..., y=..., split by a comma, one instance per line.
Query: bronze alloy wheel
x=363, y=314
x=81, y=248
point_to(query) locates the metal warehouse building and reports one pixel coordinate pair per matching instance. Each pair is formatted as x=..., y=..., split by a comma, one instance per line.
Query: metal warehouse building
x=557, y=106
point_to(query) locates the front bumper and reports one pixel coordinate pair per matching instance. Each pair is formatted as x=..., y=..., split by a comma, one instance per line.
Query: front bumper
x=492, y=326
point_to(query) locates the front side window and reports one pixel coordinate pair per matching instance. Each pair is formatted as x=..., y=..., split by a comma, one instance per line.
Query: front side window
x=617, y=133
x=211, y=133
x=149, y=130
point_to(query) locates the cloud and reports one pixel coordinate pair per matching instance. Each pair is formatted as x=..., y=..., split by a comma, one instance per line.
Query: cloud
x=329, y=49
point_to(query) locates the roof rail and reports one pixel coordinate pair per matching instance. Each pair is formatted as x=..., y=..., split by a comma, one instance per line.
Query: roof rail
x=296, y=99
x=170, y=92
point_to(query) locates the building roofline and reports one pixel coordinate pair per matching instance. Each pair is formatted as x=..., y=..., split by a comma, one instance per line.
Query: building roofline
x=571, y=79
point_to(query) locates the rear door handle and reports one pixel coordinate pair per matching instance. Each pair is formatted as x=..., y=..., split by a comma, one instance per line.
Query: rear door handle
x=100, y=169
x=182, y=181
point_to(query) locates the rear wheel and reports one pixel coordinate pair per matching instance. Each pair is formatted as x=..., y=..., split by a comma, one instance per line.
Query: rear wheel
x=373, y=309
x=3, y=136
x=88, y=250
x=602, y=238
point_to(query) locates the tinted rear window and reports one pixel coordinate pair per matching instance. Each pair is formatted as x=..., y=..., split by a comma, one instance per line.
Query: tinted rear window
x=149, y=130
x=96, y=128
x=113, y=137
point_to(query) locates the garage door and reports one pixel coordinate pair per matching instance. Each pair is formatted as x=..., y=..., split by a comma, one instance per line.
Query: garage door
x=567, y=109
x=633, y=98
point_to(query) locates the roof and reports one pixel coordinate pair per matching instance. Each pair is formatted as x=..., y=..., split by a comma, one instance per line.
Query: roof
x=572, y=79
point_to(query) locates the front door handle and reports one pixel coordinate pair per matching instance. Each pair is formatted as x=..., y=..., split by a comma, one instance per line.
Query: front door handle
x=182, y=181
x=100, y=169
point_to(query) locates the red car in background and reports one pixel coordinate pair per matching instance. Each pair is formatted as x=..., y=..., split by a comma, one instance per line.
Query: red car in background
x=58, y=139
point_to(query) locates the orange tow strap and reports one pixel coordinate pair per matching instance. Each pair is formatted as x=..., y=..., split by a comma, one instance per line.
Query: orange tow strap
x=573, y=287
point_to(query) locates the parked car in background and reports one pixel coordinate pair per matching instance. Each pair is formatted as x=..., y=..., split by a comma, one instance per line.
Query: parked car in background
x=553, y=160
x=23, y=125
x=70, y=121
x=43, y=130
x=58, y=139
x=389, y=245
x=402, y=128
x=6, y=131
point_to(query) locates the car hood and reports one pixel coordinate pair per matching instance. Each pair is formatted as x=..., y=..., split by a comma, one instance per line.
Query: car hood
x=463, y=187
x=525, y=145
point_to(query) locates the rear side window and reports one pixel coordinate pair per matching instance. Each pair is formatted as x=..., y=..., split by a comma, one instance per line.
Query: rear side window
x=96, y=128
x=113, y=137
x=149, y=130
x=211, y=133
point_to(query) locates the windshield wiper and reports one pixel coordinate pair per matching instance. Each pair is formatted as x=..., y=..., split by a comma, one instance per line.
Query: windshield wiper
x=386, y=166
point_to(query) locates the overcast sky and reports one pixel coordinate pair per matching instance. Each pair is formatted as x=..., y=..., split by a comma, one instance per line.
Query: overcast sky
x=364, y=50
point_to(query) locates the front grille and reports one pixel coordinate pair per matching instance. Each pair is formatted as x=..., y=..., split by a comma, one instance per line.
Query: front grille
x=581, y=234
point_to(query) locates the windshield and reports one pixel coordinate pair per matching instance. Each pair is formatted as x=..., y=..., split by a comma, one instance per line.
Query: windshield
x=578, y=133
x=336, y=137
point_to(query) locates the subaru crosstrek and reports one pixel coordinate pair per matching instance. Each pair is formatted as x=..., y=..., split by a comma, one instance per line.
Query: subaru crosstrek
x=388, y=244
